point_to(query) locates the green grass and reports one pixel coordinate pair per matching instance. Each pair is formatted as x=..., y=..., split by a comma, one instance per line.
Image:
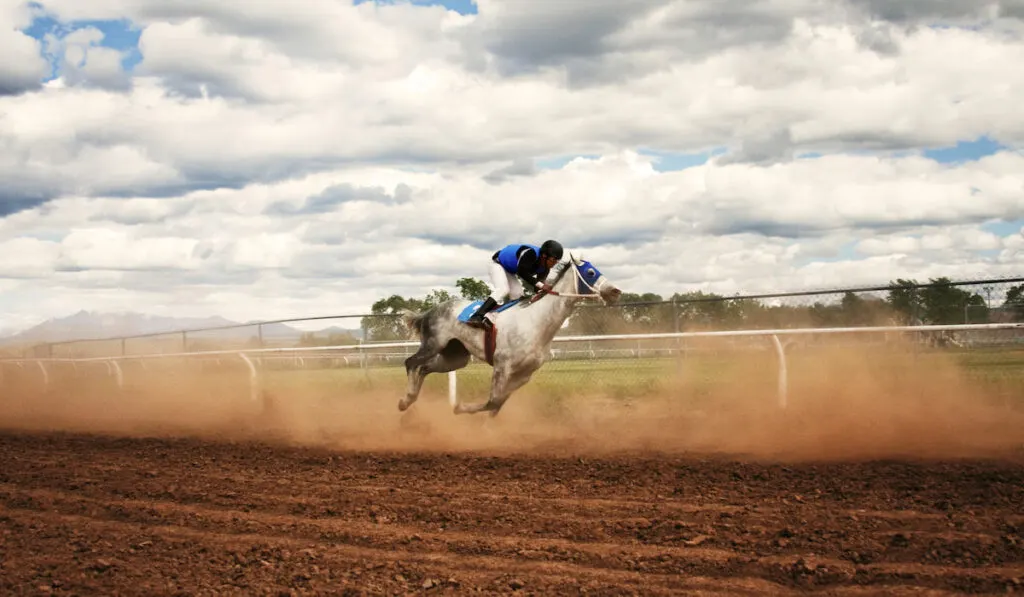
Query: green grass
x=700, y=377
x=698, y=380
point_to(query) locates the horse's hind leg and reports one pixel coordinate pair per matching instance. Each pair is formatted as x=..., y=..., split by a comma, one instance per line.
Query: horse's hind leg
x=453, y=356
x=415, y=371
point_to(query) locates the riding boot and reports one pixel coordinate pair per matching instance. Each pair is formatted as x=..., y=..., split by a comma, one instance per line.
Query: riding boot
x=477, y=318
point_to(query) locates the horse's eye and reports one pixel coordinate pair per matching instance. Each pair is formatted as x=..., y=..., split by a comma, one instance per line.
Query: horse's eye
x=590, y=272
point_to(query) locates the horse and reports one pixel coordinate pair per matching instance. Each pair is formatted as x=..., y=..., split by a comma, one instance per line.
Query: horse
x=516, y=340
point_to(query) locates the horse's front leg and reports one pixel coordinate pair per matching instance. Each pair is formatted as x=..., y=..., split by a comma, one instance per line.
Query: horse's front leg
x=514, y=383
x=504, y=381
x=517, y=378
x=499, y=382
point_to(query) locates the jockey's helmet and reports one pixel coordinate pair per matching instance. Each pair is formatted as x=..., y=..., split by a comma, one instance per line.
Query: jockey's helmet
x=551, y=248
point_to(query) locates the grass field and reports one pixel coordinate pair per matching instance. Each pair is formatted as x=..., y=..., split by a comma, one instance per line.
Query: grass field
x=694, y=378
x=697, y=380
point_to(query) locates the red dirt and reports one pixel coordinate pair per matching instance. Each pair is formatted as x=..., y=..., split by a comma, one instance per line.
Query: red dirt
x=88, y=514
x=910, y=482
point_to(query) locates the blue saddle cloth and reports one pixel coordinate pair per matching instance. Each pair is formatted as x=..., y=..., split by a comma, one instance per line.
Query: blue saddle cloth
x=472, y=307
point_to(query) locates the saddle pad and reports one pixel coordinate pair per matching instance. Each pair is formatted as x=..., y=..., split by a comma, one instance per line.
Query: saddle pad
x=472, y=307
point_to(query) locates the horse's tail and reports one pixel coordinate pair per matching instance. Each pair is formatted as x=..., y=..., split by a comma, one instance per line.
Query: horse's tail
x=414, y=321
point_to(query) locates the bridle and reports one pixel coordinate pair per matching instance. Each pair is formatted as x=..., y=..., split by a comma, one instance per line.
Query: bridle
x=596, y=289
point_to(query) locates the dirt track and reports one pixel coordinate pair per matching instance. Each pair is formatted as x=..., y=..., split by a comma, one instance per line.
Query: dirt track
x=906, y=480
x=93, y=514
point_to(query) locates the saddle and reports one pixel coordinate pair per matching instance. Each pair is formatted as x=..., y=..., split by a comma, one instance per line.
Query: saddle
x=472, y=308
x=488, y=326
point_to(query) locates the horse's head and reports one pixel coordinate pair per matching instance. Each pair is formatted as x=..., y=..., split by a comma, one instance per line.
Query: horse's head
x=590, y=280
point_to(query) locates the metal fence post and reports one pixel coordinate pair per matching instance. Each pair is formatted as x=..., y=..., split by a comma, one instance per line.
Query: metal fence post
x=783, y=379
x=453, y=397
x=676, y=325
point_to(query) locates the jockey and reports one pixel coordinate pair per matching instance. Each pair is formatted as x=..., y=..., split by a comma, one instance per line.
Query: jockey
x=515, y=262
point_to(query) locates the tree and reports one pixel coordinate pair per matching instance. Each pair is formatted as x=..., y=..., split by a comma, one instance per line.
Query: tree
x=946, y=304
x=385, y=324
x=651, y=317
x=625, y=317
x=1015, y=302
x=472, y=289
x=904, y=300
x=436, y=297
x=700, y=310
x=855, y=309
x=823, y=315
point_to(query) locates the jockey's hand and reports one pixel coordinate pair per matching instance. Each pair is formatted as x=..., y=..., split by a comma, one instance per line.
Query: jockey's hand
x=542, y=287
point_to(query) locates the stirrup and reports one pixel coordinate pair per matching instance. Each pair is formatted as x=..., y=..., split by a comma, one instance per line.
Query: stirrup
x=483, y=323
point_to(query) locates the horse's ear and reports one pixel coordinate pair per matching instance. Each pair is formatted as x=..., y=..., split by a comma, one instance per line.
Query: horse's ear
x=576, y=257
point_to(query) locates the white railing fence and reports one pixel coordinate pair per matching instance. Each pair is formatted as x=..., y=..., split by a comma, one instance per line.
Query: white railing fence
x=254, y=358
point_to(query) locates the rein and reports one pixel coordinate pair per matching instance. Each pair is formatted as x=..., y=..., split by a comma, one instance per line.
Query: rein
x=579, y=278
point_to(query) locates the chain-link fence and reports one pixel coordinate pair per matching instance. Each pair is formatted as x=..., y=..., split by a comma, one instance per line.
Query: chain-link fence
x=941, y=302
x=938, y=302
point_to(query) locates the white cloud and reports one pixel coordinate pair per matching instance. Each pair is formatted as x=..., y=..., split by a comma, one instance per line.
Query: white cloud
x=315, y=158
x=22, y=67
x=647, y=230
x=118, y=248
x=957, y=240
x=26, y=257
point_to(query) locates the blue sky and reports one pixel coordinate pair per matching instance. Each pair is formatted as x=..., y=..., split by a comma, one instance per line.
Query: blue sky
x=466, y=7
x=667, y=161
x=964, y=151
x=1004, y=228
x=121, y=35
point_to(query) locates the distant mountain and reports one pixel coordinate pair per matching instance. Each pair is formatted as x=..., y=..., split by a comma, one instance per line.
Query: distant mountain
x=88, y=324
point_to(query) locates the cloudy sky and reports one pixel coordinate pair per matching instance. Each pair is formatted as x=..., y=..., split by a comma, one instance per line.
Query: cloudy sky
x=272, y=159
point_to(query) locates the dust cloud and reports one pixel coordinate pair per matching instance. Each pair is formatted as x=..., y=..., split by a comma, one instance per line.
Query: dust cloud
x=844, y=403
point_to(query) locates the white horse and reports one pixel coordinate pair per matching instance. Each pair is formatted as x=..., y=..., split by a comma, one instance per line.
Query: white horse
x=519, y=338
